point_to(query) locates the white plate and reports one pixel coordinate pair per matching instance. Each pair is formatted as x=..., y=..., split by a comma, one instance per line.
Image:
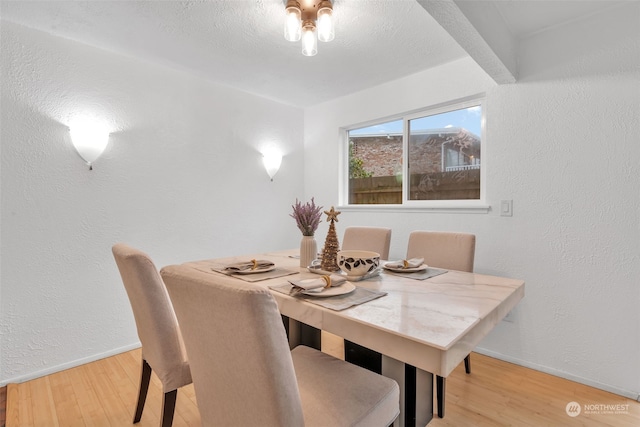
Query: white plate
x=257, y=270
x=343, y=289
x=318, y=270
x=423, y=267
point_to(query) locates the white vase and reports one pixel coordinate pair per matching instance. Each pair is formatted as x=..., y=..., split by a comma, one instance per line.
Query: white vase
x=308, y=250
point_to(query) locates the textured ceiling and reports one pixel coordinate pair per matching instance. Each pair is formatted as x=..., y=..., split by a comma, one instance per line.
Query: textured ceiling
x=525, y=18
x=240, y=43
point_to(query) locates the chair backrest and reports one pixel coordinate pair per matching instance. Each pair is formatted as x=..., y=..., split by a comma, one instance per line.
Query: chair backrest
x=453, y=251
x=376, y=239
x=241, y=364
x=156, y=321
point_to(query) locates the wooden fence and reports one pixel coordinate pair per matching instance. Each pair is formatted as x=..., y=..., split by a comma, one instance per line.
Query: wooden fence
x=458, y=185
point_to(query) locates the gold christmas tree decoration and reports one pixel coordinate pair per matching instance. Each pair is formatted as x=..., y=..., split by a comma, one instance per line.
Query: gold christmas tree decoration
x=331, y=244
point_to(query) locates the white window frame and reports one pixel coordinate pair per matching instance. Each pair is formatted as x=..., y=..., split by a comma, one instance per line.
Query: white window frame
x=466, y=206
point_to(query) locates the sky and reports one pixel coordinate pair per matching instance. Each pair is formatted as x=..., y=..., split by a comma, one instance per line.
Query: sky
x=468, y=118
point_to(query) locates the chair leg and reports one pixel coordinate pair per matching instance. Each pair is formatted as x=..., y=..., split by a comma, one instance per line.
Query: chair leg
x=145, y=376
x=168, y=407
x=440, y=391
x=467, y=364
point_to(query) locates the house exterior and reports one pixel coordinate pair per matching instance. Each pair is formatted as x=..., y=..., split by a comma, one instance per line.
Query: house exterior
x=444, y=164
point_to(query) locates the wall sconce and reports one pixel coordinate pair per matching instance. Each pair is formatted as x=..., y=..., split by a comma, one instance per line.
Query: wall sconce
x=89, y=139
x=272, y=159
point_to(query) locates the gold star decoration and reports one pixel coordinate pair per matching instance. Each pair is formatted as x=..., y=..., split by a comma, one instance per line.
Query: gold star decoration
x=332, y=215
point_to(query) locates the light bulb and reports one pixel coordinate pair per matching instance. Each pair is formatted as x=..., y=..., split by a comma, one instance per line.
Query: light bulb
x=325, y=22
x=292, y=22
x=309, y=39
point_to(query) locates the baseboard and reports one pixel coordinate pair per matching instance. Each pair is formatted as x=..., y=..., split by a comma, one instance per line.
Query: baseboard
x=556, y=373
x=68, y=365
x=3, y=405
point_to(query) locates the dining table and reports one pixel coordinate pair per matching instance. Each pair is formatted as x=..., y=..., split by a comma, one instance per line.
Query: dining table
x=422, y=327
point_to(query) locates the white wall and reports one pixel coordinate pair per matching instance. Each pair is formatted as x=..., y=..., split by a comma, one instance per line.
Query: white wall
x=182, y=179
x=562, y=143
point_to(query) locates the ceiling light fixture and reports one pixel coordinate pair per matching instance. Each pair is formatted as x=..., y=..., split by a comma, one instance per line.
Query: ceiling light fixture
x=311, y=22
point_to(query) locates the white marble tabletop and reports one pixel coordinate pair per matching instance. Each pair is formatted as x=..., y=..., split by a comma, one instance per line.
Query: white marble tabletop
x=432, y=324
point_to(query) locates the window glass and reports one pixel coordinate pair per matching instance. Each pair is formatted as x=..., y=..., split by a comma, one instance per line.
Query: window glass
x=444, y=155
x=441, y=148
x=375, y=164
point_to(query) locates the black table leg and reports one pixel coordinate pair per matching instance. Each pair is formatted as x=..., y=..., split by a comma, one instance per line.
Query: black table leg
x=299, y=333
x=440, y=392
x=362, y=356
x=310, y=336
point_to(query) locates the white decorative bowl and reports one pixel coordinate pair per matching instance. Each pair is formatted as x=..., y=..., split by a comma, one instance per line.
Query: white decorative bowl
x=358, y=263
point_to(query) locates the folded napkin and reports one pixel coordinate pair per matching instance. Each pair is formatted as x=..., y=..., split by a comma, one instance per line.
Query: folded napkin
x=406, y=263
x=254, y=264
x=317, y=284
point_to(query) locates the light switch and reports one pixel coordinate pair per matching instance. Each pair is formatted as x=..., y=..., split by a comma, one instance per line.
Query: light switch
x=506, y=208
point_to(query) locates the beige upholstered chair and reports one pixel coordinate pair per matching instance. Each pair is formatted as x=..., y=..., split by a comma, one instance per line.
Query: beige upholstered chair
x=162, y=347
x=244, y=372
x=451, y=251
x=376, y=239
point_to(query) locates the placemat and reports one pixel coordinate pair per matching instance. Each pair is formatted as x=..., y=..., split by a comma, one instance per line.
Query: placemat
x=422, y=275
x=338, y=302
x=278, y=272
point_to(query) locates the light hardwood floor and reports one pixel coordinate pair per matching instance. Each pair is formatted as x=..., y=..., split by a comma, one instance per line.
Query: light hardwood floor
x=103, y=393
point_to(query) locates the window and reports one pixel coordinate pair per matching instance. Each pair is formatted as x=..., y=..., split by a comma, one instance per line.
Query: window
x=419, y=159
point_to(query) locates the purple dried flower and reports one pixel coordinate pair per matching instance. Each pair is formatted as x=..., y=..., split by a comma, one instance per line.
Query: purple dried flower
x=307, y=216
